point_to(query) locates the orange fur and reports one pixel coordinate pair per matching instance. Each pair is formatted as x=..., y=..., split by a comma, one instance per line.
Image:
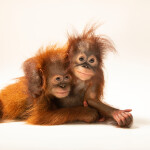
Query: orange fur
x=14, y=100
x=18, y=100
x=86, y=52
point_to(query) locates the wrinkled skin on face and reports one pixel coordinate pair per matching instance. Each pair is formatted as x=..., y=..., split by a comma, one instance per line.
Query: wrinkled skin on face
x=59, y=81
x=84, y=62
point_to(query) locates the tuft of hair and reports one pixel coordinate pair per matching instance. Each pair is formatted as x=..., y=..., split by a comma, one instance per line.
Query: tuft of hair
x=51, y=54
x=103, y=42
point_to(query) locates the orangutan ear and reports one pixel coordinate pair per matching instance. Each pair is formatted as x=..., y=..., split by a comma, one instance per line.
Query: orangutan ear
x=33, y=75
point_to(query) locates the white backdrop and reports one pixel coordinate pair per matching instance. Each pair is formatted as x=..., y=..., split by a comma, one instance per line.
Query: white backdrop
x=26, y=25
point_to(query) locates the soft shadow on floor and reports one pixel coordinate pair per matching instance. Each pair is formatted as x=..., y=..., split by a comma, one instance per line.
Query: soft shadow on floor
x=139, y=122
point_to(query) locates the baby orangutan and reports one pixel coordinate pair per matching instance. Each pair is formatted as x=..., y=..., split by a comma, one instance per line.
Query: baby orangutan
x=51, y=78
x=86, y=53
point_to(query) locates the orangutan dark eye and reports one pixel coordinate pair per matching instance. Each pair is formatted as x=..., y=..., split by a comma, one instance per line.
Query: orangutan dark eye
x=66, y=77
x=81, y=58
x=58, y=78
x=92, y=60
